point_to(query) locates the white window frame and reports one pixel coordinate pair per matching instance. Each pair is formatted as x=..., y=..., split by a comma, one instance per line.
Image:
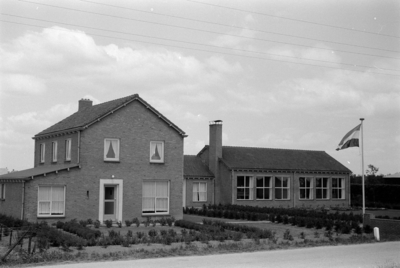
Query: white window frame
x=54, y=150
x=153, y=146
x=107, y=142
x=68, y=145
x=154, y=211
x=42, y=150
x=306, y=189
x=197, y=194
x=264, y=187
x=247, y=187
x=50, y=201
x=322, y=188
x=2, y=191
x=282, y=188
x=340, y=188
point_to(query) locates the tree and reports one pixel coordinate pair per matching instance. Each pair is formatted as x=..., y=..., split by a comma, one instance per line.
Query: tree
x=372, y=170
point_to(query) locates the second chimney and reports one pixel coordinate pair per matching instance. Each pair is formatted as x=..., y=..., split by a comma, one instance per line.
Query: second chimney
x=84, y=103
x=215, y=147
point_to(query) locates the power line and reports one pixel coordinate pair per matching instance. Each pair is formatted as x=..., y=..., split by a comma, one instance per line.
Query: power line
x=194, y=43
x=292, y=19
x=209, y=51
x=238, y=27
x=207, y=31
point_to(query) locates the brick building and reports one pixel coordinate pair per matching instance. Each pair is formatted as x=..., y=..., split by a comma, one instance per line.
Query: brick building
x=116, y=160
x=264, y=176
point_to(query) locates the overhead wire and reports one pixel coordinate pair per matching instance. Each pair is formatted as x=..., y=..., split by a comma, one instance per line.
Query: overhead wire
x=208, y=31
x=293, y=19
x=236, y=27
x=213, y=46
x=208, y=51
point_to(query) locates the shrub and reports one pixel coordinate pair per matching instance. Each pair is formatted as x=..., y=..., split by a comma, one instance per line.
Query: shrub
x=367, y=229
x=153, y=233
x=59, y=224
x=136, y=221
x=96, y=224
x=170, y=221
x=163, y=221
x=108, y=223
x=287, y=235
x=128, y=223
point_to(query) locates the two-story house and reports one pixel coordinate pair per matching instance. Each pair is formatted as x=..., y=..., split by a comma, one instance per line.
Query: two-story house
x=116, y=160
x=263, y=176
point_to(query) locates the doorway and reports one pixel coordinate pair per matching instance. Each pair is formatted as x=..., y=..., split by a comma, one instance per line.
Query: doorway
x=110, y=202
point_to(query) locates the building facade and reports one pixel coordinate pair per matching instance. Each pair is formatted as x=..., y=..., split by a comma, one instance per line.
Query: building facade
x=116, y=160
x=271, y=177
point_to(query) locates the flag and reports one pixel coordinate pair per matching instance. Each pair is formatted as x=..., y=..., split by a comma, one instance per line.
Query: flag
x=351, y=139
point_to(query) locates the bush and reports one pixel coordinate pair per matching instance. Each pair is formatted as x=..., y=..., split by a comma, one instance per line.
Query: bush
x=128, y=223
x=108, y=223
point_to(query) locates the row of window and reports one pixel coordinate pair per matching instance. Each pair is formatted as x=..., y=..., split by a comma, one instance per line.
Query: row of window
x=309, y=188
x=111, y=151
x=155, y=199
x=54, y=150
x=155, y=194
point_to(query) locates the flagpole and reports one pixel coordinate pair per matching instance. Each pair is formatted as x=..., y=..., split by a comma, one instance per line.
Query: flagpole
x=362, y=166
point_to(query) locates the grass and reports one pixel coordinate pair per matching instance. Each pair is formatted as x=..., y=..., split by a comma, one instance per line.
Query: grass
x=302, y=237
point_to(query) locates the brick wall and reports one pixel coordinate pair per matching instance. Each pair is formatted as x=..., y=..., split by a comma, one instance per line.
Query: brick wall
x=135, y=126
x=386, y=227
x=60, y=150
x=11, y=205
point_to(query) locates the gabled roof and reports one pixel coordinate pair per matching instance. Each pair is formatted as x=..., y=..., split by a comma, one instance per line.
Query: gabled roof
x=193, y=166
x=278, y=159
x=84, y=118
x=28, y=174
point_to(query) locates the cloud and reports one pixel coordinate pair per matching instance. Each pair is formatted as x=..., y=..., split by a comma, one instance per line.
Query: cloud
x=71, y=60
x=36, y=121
x=22, y=83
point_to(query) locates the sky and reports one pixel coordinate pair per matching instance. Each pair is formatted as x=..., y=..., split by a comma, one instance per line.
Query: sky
x=280, y=74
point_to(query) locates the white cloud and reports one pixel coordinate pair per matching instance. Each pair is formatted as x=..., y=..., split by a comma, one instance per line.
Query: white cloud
x=22, y=83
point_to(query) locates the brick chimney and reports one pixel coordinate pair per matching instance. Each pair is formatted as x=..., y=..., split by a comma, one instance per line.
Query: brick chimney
x=84, y=103
x=215, y=147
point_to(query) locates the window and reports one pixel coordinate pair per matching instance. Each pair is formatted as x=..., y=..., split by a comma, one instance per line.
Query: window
x=2, y=191
x=54, y=151
x=244, y=188
x=42, y=152
x=68, y=150
x=155, y=197
x=338, y=188
x=282, y=188
x=199, y=191
x=157, y=152
x=263, y=188
x=111, y=149
x=306, y=188
x=321, y=188
x=51, y=201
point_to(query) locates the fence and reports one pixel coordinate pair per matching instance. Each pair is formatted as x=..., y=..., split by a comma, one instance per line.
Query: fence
x=13, y=237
